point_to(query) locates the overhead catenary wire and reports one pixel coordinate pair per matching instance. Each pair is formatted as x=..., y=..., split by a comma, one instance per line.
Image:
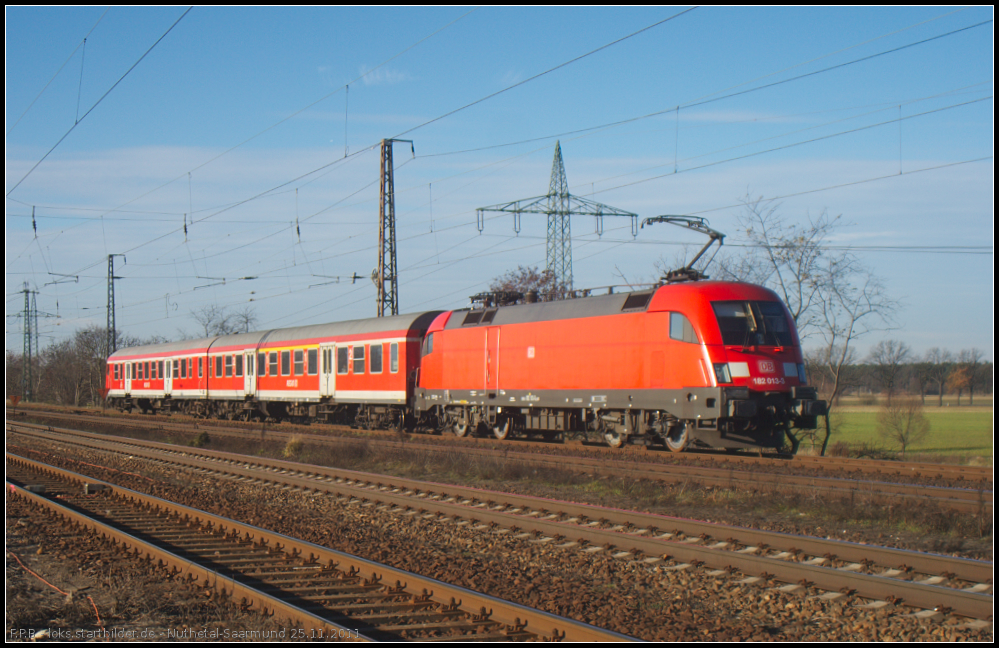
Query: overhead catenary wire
x=220, y=220
x=78, y=121
x=68, y=59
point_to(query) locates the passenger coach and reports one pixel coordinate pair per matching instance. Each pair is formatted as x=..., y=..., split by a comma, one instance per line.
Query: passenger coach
x=359, y=372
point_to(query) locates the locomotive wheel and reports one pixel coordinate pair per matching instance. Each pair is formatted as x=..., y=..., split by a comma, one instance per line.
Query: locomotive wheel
x=677, y=438
x=502, y=430
x=460, y=429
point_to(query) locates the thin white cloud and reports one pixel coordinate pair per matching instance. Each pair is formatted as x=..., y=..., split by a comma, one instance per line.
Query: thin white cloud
x=383, y=76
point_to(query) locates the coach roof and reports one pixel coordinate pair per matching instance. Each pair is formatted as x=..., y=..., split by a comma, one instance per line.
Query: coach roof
x=410, y=324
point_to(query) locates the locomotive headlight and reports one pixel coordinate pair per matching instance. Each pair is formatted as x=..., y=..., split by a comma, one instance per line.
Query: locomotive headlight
x=722, y=374
x=802, y=378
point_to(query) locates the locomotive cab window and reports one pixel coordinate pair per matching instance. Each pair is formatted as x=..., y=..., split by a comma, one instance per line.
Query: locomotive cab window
x=428, y=344
x=752, y=323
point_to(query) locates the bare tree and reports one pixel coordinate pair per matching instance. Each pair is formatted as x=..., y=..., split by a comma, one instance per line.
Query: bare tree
x=889, y=358
x=245, y=319
x=830, y=295
x=219, y=320
x=786, y=256
x=903, y=422
x=853, y=303
x=939, y=361
x=972, y=360
x=525, y=279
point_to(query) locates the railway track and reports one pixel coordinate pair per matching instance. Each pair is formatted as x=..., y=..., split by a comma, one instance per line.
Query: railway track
x=892, y=470
x=978, y=501
x=326, y=594
x=926, y=581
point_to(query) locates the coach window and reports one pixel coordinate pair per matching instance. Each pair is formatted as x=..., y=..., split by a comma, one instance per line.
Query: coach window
x=249, y=365
x=681, y=329
x=285, y=363
x=201, y=370
x=183, y=368
x=313, y=362
x=394, y=357
x=239, y=366
x=228, y=366
x=159, y=370
x=376, y=358
x=262, y=364
x=272, y=363
x=342, y=360
x=299, y=362
x=359, y=359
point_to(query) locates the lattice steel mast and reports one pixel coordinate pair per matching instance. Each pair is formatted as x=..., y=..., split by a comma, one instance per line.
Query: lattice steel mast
x=386, y=276
x=30, y=333
x=112, y=342
x=559, y=205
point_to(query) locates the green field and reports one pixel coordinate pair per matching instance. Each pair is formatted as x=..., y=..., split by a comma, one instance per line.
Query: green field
x=964, y=431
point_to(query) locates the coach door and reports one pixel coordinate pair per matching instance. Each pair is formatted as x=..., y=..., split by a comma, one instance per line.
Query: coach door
x=492, y=358
x=168, y=376
x=128, y=377
x=327, y=369
x=249, y=374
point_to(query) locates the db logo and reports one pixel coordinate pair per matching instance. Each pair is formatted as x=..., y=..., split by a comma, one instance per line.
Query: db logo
x=766, y=366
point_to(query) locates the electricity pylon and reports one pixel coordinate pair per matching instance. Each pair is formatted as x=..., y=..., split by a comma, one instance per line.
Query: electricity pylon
x=559, y=205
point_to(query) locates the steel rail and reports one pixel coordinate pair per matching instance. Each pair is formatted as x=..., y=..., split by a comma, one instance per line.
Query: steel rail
x=866, y=466
x=512, y=619
x=969, y=500
x=480, y=506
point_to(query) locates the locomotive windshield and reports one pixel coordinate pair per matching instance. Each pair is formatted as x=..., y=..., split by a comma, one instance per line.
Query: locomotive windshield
x=753, y=323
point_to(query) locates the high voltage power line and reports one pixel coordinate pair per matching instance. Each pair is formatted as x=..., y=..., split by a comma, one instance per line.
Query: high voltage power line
x=272, y=191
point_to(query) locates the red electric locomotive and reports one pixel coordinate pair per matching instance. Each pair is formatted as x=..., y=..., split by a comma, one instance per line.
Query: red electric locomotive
x=712, y=364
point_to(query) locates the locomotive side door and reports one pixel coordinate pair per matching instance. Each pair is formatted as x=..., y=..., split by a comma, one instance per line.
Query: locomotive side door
x=327, y=369
x=492, y=358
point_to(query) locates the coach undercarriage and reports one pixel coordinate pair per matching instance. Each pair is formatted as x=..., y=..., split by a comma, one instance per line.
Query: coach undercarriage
x=359, y=415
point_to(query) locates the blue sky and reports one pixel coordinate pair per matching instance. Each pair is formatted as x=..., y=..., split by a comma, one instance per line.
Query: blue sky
x=238, y=122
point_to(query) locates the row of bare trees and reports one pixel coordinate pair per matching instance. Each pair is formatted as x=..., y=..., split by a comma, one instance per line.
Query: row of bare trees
x=893, y=368
x=68, y=372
